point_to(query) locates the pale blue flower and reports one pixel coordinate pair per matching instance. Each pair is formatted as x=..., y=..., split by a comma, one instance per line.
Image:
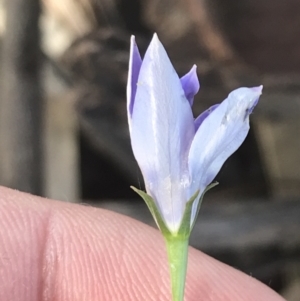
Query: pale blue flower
x=177, y=154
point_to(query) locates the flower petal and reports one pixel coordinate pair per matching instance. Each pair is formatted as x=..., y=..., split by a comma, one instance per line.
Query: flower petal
x=203, y=115
x=161, y=134
x=219, y=136
x=135, y=63
x=190, y=84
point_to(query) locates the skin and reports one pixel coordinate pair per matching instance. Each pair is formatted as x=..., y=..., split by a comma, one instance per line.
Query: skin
x=57, y=251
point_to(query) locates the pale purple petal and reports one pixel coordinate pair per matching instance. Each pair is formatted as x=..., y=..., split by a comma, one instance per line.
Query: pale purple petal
x=135, y=63
x=219, y=136
x=161, y=134
x=190, y=84
x=203, y=115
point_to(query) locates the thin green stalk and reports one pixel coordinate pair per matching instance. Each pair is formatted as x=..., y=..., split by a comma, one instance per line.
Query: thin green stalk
x=177, y=249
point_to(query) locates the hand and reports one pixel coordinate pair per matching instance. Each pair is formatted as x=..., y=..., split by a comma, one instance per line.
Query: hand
x=64, y=252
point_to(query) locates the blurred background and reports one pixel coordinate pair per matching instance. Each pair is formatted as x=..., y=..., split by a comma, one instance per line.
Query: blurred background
x=63, y=127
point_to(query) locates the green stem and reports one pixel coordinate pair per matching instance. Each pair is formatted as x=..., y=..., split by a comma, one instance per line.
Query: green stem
x=177, y=249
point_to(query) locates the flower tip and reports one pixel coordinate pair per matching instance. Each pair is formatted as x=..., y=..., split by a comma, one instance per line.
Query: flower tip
x=155, y=41
x=258, y=89
x=132, y=44
x=194, y=71
x=156, y=51
x=190, y=84
x=155, y=36
x=132, y=40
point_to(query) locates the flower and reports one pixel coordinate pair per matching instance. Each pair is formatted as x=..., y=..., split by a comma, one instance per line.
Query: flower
x=177, y=154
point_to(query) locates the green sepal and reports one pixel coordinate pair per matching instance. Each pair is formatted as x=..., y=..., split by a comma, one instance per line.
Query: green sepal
x=185, y=226
x=200, y=203
x=154, y=210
